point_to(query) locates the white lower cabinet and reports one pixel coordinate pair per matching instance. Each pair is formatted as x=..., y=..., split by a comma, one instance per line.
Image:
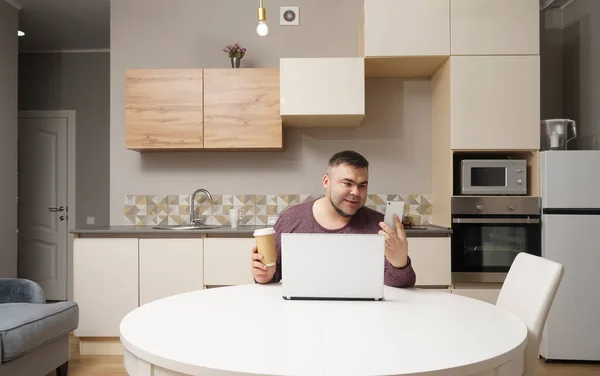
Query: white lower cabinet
x=228, y=261
x=170, y=267
x=489, y=295
x=430, y=259
x=105, y=284
x=113, y=276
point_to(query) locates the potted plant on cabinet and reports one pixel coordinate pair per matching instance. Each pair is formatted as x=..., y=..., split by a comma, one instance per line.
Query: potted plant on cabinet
x=235, y=53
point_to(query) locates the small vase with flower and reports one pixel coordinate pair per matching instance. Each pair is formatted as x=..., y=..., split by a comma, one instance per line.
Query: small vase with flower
x=235, y=53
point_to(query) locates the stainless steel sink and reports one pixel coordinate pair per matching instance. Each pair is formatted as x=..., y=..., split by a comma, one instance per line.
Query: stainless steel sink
x=185, y=227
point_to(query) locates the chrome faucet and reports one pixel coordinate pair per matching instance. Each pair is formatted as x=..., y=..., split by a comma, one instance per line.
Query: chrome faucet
x=193, y=220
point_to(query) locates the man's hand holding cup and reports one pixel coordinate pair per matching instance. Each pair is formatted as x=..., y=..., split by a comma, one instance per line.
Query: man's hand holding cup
x=264, y=255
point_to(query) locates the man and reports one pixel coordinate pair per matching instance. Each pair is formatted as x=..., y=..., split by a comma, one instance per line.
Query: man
x=341, y=211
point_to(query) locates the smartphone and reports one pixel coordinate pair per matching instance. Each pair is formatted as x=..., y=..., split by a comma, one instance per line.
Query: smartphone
x=393, y=207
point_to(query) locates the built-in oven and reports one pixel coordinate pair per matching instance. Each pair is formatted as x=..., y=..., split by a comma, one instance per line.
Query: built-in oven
x=489, y=232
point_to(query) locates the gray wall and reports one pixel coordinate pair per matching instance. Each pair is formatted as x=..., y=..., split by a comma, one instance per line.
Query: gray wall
x=9, y=45
x=80, y=82
x=191, y=34
x=581, y=72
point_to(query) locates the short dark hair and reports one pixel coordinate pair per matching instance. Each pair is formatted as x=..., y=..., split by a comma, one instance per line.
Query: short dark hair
x=348, y=157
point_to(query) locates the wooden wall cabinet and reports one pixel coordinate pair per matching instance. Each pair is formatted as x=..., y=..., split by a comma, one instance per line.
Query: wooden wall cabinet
x=491, y=27
x=322, y=92
x=163, y=109
x=241, y=109
x=200, y=109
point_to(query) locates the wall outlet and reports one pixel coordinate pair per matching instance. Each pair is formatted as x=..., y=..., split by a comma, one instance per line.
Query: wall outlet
x=90, y=220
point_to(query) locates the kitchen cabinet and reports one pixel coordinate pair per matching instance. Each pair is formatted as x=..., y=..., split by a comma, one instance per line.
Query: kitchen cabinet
x=430, y=259
x=322, y=92
x=404, y=37
x=163, y=109
x=241, y=109
x=115, y=275
x=492, y=27
x=495, y=102
x=202, y=109
x=406, y=28
x=483, y=293
x=227, y=261
x=105, y=284
x=169, y=267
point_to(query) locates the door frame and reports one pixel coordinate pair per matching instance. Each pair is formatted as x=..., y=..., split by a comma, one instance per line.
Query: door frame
x=71, y=169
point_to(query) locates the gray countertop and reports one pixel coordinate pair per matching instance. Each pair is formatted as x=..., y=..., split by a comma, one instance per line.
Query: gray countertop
x=244, y=231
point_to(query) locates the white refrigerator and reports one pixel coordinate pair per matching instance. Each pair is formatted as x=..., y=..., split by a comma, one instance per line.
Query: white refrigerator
x=570, y=194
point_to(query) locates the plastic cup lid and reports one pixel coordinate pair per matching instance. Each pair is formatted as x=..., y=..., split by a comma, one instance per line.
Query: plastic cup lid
x=264, y=231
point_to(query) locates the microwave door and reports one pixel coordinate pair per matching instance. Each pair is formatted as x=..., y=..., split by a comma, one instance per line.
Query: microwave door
x=483, y=180
x=493, y=177
x=488, y=179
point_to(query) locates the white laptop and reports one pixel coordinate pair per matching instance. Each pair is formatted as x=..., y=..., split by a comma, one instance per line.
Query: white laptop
x=332, y=266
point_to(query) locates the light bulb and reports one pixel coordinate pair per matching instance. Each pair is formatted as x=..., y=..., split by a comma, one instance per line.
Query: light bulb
x=20, y=33
x=262, y=29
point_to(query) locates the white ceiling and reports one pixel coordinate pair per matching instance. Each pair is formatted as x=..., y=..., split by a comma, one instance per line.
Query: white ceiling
x=64, y=24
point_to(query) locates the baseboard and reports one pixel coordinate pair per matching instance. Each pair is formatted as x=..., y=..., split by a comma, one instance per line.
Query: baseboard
x=100, y=346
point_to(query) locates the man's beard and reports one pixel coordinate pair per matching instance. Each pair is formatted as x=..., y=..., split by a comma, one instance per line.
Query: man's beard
x=340, y=211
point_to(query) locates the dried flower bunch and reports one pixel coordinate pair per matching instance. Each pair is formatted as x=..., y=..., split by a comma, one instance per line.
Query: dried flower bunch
x=235, y=50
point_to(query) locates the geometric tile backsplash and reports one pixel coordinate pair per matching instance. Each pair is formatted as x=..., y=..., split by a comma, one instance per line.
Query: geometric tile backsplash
x=145, y=209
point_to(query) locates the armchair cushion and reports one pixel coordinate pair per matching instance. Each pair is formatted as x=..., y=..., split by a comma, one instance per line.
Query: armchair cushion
x=25, y=327
x=19, y=290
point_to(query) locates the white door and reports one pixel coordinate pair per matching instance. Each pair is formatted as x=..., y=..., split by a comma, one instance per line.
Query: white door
x=43, y=204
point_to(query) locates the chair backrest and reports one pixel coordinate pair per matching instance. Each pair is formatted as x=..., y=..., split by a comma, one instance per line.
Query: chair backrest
x=528, y=292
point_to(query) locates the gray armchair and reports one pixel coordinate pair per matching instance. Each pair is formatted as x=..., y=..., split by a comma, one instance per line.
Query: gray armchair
x=34, y=335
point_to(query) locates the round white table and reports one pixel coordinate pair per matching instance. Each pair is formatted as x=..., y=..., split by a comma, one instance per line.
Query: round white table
x=252, y=330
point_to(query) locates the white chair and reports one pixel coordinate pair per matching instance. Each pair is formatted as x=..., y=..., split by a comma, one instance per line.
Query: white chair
x=528, y=292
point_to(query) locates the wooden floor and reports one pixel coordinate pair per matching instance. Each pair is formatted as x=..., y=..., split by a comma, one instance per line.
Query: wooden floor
x=98, y=365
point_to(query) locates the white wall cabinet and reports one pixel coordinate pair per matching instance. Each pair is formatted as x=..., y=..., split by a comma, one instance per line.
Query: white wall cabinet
x=495, y=102
x=228, y=261
x=105, y=284
x=395, y=28
x=430, y=259
x=322, y=92
x=492, y=27
x=169, y=267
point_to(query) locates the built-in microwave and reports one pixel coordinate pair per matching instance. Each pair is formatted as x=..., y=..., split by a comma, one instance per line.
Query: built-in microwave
x=493, y=177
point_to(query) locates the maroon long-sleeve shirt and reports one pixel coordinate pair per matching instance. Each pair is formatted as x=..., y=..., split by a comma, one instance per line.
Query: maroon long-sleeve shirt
x=300, y=218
